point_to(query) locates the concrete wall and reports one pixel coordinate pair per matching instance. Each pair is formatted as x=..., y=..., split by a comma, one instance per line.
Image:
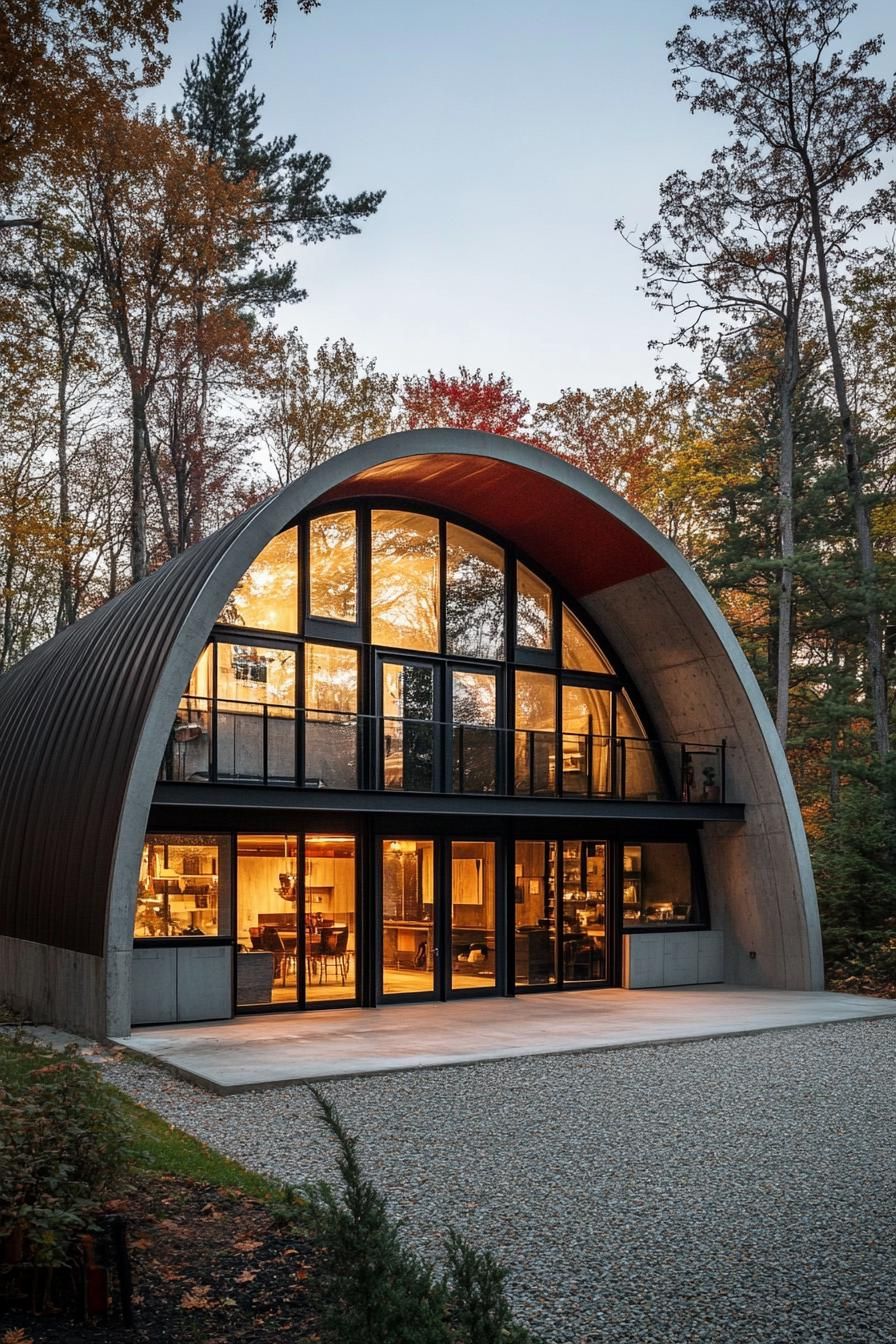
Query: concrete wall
x=53, y=984
x=697, y=686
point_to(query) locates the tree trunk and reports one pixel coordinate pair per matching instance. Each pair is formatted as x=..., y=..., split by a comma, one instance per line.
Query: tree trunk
x=6, y=639
x=138, y=503
x=158, y=487
x=66, y=611
x=786, y=389
x=855, y=482
x=197, y=454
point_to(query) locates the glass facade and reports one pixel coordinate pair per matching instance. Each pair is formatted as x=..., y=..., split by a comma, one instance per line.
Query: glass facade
x=583, y=910
x=535, y=912
x=473, y=915
x=505, y=690
x=432, y=661
x=534, y=610
x=638, y=773
x=255, y=727
x=474, y=736
x=474, y=595
x=295, y=920
x=408, y=918
x=404, y=580
x=331, y=717
x=267, y=596
x=657, y=885
x=535, y=741
x=183, y=890
x=578, y=650
x=409, y=735
x=587, y=740
x=333, y=567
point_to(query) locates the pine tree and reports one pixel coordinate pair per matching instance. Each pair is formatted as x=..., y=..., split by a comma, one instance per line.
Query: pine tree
x=222, y=114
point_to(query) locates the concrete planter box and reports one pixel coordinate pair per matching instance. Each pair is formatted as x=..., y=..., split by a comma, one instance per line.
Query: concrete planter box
x=181, y=984
x=685, y=957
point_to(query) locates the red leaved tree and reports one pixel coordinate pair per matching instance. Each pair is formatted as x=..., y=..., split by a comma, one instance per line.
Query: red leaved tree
x=466, y=400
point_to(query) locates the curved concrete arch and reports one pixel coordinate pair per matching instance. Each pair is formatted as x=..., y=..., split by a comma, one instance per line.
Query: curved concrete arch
x=693, y=677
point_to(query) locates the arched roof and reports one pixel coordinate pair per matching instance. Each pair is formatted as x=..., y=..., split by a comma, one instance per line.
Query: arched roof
x=84, y=718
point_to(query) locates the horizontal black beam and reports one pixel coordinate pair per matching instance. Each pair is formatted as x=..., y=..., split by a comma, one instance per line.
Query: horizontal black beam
x=253, y=798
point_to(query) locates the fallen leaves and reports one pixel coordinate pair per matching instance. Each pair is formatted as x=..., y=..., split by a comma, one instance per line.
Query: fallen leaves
x=16, y=1336
x=247, y=1246
x=198, y=1299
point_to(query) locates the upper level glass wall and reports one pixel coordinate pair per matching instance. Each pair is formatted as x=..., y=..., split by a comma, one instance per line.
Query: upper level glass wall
x=404, y=580
x=443, y=607
x=267, y=596
x=331, y=722
x=412, y=555
x=333, y=567
x=474, y=597
x=534, y=607
x=254, y=674
x=579, y=653
x=637, y=760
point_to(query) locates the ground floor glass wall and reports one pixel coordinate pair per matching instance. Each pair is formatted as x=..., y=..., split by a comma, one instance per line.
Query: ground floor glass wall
x=569, y=940
x=183, y=890
x=408, y=905
x=326, y=917
x=296, y=934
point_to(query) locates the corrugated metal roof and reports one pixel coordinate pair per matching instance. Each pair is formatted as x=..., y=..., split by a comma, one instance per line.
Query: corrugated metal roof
x=71, y=718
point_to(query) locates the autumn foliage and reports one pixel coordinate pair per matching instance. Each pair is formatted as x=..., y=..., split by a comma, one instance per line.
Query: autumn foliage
x=465, y=400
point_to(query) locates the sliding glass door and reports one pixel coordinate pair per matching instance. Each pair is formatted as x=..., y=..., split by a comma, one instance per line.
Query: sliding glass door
x=438, y=924
x=563, y=926
x=409, y=949
x=296, y=920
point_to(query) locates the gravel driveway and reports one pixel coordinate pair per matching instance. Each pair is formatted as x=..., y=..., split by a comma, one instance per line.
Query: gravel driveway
x=732, y=1190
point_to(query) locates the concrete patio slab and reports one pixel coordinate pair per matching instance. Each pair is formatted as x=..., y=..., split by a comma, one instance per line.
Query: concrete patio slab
x=274, y=1050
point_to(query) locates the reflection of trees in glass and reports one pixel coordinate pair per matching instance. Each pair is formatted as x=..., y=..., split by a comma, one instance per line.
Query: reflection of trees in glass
x=331, y=678
x=266, y=597
x=473, y=698
x=580, y=653
x=474, y=599
x=474, y=739
x=404, y=580
x=533, y=610
x=535, y=703
x=256, y=675
x=408, y=703
x=333, y=567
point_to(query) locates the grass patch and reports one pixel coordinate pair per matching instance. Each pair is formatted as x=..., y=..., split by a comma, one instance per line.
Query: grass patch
x=158, y=1146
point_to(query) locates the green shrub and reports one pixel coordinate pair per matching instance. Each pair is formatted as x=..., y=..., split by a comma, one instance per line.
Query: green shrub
x=866, y=964
x=478, y=1311
x=371, y=1289
x=62, y=1149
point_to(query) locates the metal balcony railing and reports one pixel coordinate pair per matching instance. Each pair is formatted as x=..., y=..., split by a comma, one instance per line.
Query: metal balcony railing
x=234, y=742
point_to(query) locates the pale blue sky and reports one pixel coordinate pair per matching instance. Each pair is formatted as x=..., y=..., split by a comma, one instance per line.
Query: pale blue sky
x=509, y=135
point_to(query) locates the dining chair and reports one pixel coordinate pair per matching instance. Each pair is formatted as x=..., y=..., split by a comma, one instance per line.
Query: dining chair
x=334, y=947
x=272, y=942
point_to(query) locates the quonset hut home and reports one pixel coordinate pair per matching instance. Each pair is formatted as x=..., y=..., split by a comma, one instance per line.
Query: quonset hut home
x=443, y=717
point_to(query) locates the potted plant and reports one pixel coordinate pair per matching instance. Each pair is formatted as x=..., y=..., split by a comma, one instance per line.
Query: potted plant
x=710, y=787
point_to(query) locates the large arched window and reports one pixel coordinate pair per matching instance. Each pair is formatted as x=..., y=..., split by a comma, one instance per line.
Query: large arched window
x=388, y=647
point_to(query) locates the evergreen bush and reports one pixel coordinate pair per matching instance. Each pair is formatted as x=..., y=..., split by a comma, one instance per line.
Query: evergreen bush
x=372, y=1289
